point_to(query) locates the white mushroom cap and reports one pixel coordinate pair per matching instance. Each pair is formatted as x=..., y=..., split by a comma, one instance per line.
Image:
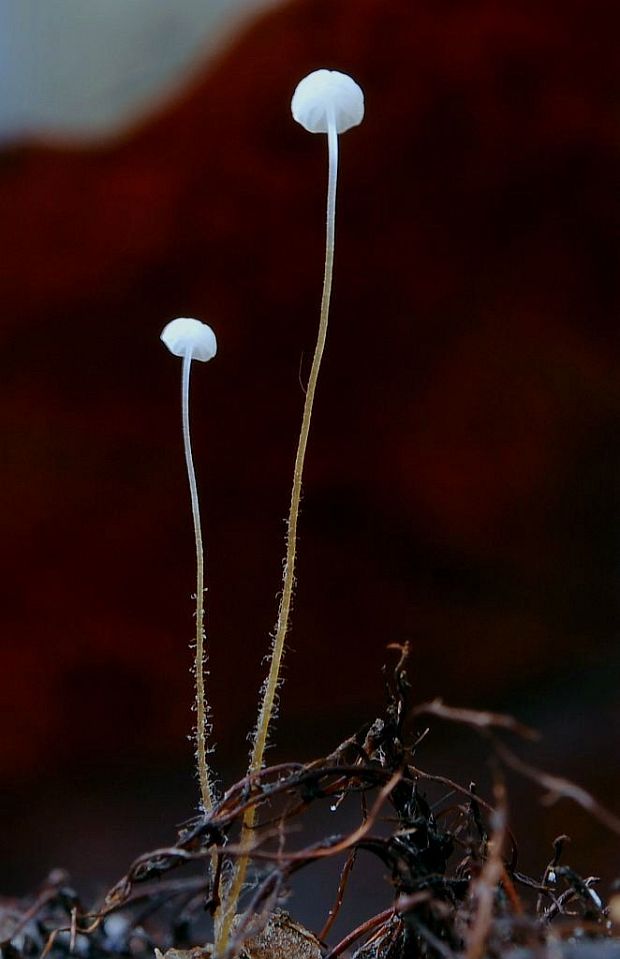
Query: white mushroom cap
x=185, y=335
x=324, y=91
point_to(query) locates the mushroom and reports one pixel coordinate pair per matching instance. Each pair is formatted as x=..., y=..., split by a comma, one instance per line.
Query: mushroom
x=193, y=340
x=330, y=102
x=328, y=98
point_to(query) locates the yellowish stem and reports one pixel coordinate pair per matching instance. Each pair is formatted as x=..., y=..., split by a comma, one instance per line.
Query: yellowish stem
x=270, y=688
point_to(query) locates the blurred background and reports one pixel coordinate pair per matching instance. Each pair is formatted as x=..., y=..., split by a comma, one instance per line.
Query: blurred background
x=462, y=475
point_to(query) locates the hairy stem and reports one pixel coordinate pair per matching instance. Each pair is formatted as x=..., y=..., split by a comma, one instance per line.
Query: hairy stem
x=270, y=687
x=206, y=790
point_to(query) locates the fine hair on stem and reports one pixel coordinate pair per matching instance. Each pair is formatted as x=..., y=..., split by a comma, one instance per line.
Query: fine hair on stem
x=191, y=339
x=270, y=686
x=202, y=716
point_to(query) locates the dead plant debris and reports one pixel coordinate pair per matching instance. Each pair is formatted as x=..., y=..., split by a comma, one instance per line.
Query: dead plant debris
x=458, y=890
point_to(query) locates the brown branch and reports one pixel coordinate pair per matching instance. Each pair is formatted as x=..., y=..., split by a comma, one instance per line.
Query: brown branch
x=559, y=788
x=477, y=719
x=381, y=919
x=321, y=851
x=484, y=889
x=342, y=885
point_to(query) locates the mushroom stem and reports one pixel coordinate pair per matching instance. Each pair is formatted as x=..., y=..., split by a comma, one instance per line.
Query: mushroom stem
x=288, y=583
x=270, y=687
x=206, y=791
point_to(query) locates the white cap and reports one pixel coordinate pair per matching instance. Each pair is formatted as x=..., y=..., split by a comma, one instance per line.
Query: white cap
x=326, y=91
x=185, y=335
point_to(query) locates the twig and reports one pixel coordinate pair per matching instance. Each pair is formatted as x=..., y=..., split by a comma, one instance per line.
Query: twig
x=485, y=887
x=342, y=885
x=360, y=931
x=559, y=788
x=475, y=718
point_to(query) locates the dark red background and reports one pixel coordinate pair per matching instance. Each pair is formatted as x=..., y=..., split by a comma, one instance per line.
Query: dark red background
x=461, y=484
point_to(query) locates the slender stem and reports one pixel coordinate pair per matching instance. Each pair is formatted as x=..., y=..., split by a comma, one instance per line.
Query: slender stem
x=206, y=791
x=270, y=687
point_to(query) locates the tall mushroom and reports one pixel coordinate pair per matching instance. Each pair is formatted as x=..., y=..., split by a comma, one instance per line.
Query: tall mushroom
x=330, y=102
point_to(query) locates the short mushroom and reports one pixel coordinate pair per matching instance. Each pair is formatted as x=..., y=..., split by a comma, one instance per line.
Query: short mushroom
x=193, y=340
